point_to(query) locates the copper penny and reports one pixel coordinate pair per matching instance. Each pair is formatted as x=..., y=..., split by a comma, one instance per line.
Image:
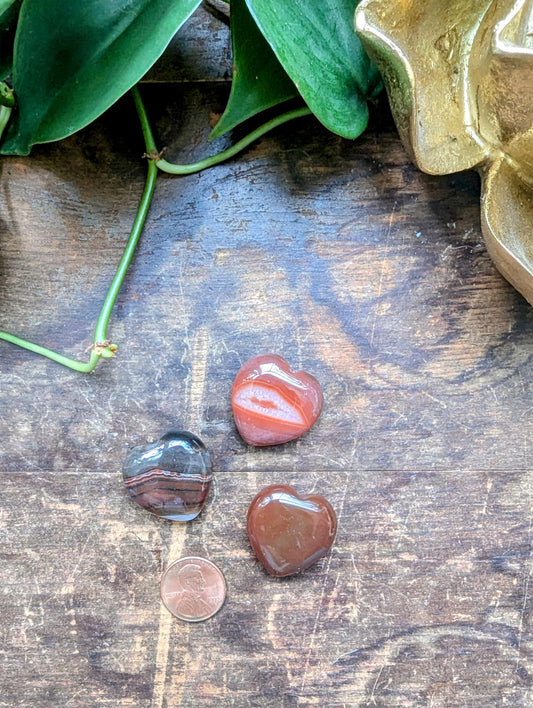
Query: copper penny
x=193, y=589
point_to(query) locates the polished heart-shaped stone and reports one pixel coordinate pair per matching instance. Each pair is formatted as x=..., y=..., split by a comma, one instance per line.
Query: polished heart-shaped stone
x=272, y=404
x=170, y=477
x=288, y=532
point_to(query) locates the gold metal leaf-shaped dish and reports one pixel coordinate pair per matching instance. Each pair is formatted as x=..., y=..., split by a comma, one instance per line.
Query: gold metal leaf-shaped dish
x=459, y=75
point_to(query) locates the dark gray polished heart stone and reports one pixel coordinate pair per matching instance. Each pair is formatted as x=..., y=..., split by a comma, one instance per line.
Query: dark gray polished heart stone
x=170, y=477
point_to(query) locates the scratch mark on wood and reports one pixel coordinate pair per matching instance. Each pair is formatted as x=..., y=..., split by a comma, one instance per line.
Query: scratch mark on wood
x=73, y=697
x=200, y=350
x=372, y=697
x=166, y=621
x=271, y=622
x=382, y=273
x=67, y=587
x=486, y=500
x=199, y=354
x=435, y=399
x=523, y=609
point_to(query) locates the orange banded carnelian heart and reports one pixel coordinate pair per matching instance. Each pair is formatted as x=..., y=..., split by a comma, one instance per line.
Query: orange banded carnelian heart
x=287, y=532
x=272, y=404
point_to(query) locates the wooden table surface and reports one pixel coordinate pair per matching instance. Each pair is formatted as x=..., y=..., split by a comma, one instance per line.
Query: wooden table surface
x=349, y=262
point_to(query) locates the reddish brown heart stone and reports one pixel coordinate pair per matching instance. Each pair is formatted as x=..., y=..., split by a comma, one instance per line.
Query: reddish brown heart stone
x=170, y=477
x=288, y=533
x=272, y=404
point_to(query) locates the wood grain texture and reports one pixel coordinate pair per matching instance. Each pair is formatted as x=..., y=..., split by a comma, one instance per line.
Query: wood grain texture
x=343, y=258
x=200, y=51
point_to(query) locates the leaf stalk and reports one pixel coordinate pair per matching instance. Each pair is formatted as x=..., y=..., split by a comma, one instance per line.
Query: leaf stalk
x=176, y=169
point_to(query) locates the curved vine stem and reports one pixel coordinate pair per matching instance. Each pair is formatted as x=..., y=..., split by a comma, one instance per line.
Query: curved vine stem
x=174, y=169
x=103, y=347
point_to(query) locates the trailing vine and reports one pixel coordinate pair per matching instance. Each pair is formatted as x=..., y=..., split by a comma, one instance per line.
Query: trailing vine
x=102, y=347
x=84, y=56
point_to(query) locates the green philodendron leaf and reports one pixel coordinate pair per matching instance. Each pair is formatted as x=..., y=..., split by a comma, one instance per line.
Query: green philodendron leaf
x=9, y=10
x=318, y=48
x=73, y=60
x=259, y=80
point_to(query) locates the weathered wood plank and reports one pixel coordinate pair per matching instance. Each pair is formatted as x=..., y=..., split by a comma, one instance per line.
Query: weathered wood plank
x=200, y=51
x=421, y=600
x=346, y=260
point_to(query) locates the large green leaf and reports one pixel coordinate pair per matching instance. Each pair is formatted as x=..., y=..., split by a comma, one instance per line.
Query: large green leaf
x=316, y=43
x=73, y=60
x=259, y=80
x=9, y=10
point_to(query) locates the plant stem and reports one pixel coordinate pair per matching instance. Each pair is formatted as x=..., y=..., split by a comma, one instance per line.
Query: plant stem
x=174, y=169
x=5, y=115
x=83, y=367
x=103, y=319
x=102, y=347
x=7, y=97
x=145, y=124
